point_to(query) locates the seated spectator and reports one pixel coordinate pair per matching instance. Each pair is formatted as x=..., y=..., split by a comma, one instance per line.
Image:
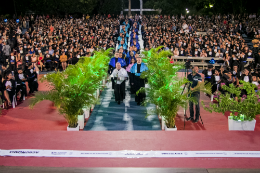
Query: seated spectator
x=31, y=76
x=63, y=60
x=20, y=79
x=9, y=89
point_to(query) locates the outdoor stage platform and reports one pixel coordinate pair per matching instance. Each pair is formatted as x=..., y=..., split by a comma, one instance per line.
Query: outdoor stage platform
x=43, y=128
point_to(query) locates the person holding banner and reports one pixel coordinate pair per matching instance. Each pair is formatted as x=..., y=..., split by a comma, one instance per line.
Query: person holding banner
x=119, y=75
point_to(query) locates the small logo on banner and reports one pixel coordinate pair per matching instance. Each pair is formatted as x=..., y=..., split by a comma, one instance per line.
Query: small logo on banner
x=58, y=153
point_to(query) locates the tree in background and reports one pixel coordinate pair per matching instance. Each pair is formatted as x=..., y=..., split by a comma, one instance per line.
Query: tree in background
x=168, y=7
x=110, y=7
x=56, y=7
x=203, y=6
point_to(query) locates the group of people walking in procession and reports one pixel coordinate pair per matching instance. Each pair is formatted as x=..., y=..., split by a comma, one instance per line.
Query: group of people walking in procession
x=129, y=67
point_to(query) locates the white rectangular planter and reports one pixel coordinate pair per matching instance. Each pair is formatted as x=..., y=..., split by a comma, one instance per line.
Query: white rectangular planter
x=104, y=82
x=92, y=107
x=162, y=122
x=73, y=129
x=81, y=121
x=241, y=125
x=86, y=112
x=170, y=129
x=98, y=92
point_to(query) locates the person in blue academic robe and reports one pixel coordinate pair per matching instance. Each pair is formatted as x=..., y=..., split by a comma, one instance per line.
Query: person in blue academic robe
x=136, y=44
x=122, y=44
x=128, y=58
x=112, y=65
x=129, y=52
x=137, y=69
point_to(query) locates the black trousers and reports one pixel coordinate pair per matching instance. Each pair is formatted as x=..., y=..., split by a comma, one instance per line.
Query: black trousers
x=139, y=83
x=132, y=89
x=56, y=65
x=11, y=94
x=74, y=61
x=242, y=66
x=119, y=91
x=197, y=106
x=49, y=65
x=22, y=88
x=33, y=85
x=12, y=67
x=214, y=88
x=113, y=83
x=6, y=58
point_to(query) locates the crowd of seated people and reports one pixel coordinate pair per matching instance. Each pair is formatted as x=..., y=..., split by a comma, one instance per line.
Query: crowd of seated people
x=218, y=36
x=13, y=84
x=219, y=77
x=223, y=38
x=52, y=43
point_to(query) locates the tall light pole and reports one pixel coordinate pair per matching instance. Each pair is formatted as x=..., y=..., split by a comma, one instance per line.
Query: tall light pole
x=141, y=7
x=129, y=8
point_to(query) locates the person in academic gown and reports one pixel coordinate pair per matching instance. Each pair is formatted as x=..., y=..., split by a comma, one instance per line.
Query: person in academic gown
x=137, y=69
x=120, y=75
x=246, y=78
x=215, y=80
x=208, y=73
x=112, y=65
x=31, y=76
x=227, y=80
x=9, y=89
x=128, y=68
x=255, y=81
x=20, y=79
x=235, y=72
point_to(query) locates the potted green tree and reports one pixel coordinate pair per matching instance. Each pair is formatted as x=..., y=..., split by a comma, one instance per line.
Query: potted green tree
x=243, y=108
x=74, y=88
x=165, y=87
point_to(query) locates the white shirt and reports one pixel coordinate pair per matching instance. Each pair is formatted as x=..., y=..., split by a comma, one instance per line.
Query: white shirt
x=217, y=78
x=120, y=74
x=246, y=78
x=255, y=82
x=8, y=83
x=209, y=73
x=21, y=76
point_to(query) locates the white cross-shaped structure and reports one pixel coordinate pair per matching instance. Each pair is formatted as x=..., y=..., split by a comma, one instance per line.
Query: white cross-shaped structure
x=141, y=8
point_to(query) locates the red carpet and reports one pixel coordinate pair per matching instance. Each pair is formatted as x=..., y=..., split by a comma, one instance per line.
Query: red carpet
x=43, y=128
x=135, y=140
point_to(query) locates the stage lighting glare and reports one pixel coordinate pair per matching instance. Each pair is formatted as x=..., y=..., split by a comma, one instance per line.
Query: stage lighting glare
x=5, y=20
x=17, y=20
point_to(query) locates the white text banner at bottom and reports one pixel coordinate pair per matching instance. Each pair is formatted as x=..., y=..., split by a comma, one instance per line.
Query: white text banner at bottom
x=126, y=153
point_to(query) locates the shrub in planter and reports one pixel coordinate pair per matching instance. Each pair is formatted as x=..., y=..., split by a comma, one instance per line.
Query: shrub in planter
x=73, y=88
x=165, y=87
x=242, y=107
